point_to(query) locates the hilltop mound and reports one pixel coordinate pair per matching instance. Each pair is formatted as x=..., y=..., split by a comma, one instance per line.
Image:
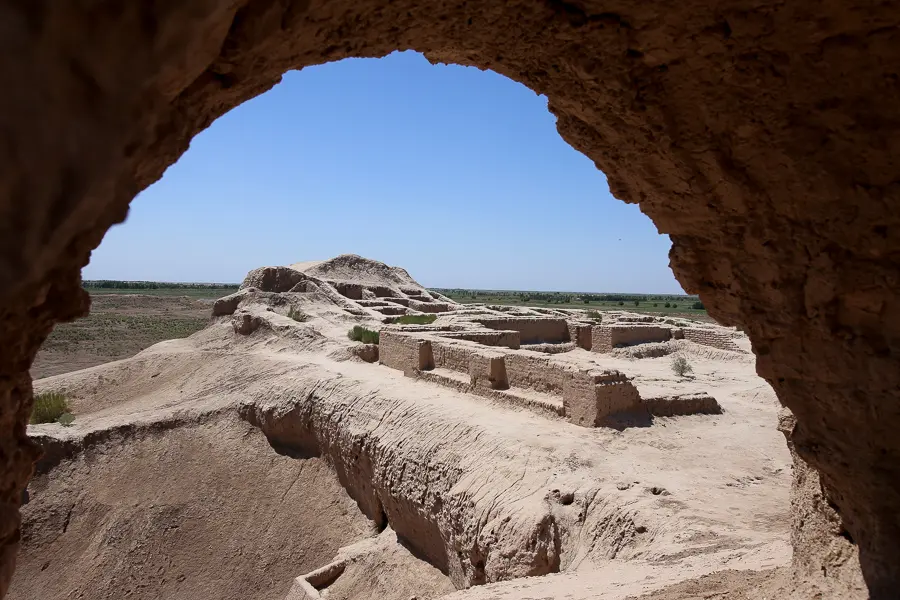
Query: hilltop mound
x=351, y=267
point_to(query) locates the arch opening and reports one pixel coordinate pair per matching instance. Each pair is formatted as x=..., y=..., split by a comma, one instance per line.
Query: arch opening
x=755, y=175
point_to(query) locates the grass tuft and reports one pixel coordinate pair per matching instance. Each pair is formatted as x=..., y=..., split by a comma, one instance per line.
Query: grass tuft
x=681, y=366
x=362, y=334
x=49, y=407
x=414, y=319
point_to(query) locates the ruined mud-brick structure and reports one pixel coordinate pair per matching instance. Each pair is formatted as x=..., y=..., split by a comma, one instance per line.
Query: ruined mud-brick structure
x=762, y=137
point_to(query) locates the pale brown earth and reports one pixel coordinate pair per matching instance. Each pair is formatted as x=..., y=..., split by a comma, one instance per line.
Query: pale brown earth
x=220, y=465
x=762, y=136
x=119, y=326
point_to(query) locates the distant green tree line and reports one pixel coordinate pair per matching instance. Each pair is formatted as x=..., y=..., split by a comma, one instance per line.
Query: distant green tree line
x=112, y=284
x=570, y=297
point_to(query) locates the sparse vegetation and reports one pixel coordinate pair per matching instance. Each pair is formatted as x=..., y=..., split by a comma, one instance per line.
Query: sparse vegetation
x=642, y=303
x=298, y=315
x=363, y=334
x=594, y=315
x=681, y=366
x=51, y=407
x=414, y=319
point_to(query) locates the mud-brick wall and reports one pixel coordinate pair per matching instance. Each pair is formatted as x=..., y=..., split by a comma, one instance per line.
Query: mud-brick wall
x=710, y=337
x=507, y=338
x=532, y=331
x=452, y=355
x=429, y=307
x=581, y=334
x=405, y=352
x=536, y=372
x=607, y=337
x=589, y=399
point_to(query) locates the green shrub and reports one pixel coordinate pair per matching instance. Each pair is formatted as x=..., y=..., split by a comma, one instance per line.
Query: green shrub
x=49, y=407
x=594, y=315
x=681, y=366
x=298, y=315
x=698, y=306
x=362, y=334
x=414, y=319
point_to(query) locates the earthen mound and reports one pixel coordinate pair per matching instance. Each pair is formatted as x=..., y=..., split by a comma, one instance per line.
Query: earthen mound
x=357, y=269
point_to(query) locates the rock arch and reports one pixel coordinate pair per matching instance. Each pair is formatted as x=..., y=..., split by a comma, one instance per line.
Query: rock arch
x=762, y=136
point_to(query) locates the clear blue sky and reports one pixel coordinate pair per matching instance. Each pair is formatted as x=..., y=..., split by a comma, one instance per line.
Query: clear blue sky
x=456, y=174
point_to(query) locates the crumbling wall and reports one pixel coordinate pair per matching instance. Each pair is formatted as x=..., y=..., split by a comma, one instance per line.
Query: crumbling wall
x=670, y=405
x=581, y=334
x=536, y=372
x=509, y=339
x=710, y=337
x=779, y=195
x=607, y=337
x=591, y=398
x=452, y=355
x=429, y=307
x=273, y=279
x=533, y=330
x=354, y=291
x=404, y=352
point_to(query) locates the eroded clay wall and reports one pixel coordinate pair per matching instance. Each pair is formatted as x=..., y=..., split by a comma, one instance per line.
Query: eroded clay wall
x=589, y=398
x=581, y=334
x=710, y=337
x=429, y=307
x=532, y=331
x=535, y=372
x=405, y=352
x=509, y=339
x=607, y=337
x=452, y=355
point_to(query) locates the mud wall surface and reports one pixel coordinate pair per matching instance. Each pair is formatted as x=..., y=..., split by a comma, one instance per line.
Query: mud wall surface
x=707, y=337
x=607, y=337
x=510, y=339
x=536, y=372
x=762, y=137
x=532, y=331
x=404, y=352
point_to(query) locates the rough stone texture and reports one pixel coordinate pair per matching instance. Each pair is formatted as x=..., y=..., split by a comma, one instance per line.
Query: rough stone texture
x=761, y=136
x=824, y=557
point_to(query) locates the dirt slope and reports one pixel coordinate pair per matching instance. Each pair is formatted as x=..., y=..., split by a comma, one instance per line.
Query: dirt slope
x=181, y=510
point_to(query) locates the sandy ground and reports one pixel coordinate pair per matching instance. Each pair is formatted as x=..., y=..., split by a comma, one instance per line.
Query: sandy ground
x=706, y=492
x=222, y=466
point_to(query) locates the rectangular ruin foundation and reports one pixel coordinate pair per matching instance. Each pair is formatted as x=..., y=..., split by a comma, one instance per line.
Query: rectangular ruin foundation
x=584, y=398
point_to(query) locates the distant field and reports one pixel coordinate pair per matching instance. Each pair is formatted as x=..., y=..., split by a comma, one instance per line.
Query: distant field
x=209, y=291
x=201, y=293
x=641, y=303
x=122, y=323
